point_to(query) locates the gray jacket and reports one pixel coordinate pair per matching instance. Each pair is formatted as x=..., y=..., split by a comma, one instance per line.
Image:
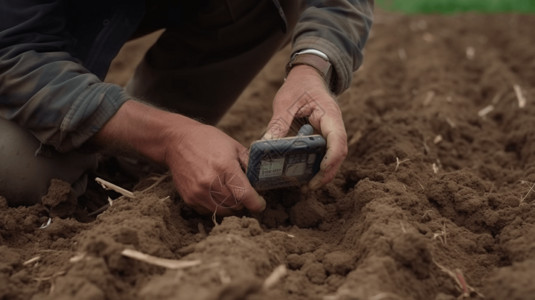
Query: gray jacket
x=54, y=55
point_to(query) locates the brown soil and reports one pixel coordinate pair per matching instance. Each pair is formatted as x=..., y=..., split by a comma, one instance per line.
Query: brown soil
x=430, y=192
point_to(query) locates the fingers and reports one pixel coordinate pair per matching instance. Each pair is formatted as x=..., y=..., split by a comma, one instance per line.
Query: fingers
x=233, y=191
x=304, y=94
x=222, y=192
x=208, y=172
x=220, y=211
x=229, y=192
x=328, y=120
x=332, y=127
x=252, y=200
x=278, y=127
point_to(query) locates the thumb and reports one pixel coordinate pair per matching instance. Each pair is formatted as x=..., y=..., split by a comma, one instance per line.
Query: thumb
x=244, y=193
x=278, y=127
x=243, y=157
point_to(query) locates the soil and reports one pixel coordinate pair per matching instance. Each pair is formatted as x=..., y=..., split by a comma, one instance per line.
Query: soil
x=434, y=201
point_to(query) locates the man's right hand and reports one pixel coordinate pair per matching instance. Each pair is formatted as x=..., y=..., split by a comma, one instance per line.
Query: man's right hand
x=205, y=162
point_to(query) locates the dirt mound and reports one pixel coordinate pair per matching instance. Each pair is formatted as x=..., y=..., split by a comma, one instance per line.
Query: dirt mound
x=435, y=200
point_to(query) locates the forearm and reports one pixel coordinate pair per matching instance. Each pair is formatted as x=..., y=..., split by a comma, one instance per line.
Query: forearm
x=143, y=129
x=339, y=29
x=54, y=97
x=199, y=156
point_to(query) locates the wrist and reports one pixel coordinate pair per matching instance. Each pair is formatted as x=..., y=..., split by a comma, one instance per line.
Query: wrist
x=305, y=72
x=144, y=129
x=315, y=59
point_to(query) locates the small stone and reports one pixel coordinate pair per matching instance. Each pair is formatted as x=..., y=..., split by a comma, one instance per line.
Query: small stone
x=295, y=261
x=338, y=262
x=315, y=273
x=60, y=199
x=307, y=213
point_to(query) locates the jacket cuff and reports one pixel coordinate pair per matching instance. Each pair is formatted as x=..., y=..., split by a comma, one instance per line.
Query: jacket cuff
x=77, y=127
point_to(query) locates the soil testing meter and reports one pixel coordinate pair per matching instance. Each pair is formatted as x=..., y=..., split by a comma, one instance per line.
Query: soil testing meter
x=285, y=162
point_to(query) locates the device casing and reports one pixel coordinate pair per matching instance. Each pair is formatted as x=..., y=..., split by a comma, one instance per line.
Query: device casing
x=285, y=162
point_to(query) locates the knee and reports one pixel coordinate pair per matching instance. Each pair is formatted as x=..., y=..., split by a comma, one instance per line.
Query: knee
x=25, y=176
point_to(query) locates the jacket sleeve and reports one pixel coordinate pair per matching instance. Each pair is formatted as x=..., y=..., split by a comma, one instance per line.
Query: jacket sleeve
x=43, y=87
x=338, y=28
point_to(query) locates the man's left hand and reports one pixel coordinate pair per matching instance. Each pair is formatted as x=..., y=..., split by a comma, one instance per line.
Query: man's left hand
x=305, y=94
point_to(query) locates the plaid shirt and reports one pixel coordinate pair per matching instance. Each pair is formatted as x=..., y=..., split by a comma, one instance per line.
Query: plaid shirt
x=54, y=55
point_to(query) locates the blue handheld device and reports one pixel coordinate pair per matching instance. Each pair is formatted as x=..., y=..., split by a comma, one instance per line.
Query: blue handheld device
x=289, y=161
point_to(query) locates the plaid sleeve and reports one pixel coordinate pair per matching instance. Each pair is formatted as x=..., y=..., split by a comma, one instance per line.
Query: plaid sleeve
x=338, y=28
x=42, y=87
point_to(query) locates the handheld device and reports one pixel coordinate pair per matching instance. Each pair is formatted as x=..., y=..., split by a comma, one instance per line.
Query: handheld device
x=285, y=162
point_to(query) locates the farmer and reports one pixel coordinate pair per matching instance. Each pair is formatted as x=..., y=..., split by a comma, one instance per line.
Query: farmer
x=56, y=113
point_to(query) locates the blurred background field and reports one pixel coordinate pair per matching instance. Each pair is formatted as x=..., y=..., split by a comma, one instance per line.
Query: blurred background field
x=456, y=6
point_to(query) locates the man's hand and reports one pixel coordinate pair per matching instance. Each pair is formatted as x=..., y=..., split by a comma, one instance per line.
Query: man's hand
x=305, y=94
x=205, y=162
x=207, y=172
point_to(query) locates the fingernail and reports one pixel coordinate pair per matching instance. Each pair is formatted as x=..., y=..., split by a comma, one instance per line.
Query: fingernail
x=262, y=203
x=267, y=136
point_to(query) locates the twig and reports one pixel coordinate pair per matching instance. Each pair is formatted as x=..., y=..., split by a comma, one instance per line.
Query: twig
x=442, y=235
x=466, y=289
x=46, y=278
x=110, y=186
x=435, y=168
x=385, y=296
x=45, y=225
x=275, y=277
x=157, y=261
x=157, y=182
x=402, y=227
x=498, y=96
x=399, y=162
x=348, y=294
x=355, y=138
x=426, y=147
x=31, y=260
x=527, y=194
x=98, y=210
x=519, y=96
x=462, y=282
x=470, y=52
x=78, y=257
x=427, y=213
x=429, y=97
x=421, y=185
x=450, y=122
x=485, y=111
x=214, y=217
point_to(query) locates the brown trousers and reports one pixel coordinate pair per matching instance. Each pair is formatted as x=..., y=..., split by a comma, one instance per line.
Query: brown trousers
x=201, y=67
x=25, y=175
x=198, y=68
